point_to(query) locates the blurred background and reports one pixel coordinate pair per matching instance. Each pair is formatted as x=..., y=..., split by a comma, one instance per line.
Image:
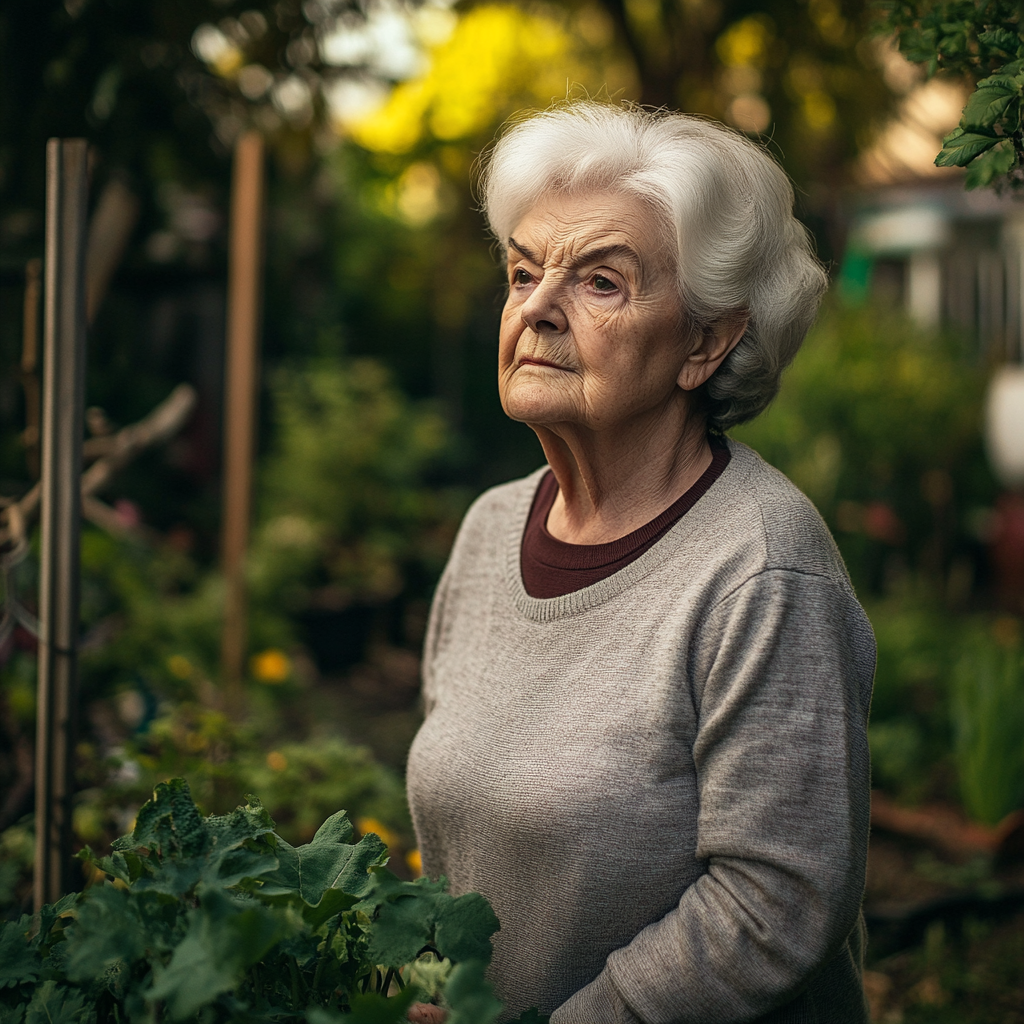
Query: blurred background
x=378, y=419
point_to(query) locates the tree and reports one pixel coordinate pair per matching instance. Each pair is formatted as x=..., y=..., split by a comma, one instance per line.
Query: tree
x=980, y=41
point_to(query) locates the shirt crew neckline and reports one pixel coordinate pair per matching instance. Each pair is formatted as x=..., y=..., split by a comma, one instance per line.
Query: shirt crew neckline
x=547, y=609
x=553, y=568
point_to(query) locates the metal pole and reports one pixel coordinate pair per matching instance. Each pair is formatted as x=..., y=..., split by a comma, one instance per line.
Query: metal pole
x=61, y=472
x=245, y=261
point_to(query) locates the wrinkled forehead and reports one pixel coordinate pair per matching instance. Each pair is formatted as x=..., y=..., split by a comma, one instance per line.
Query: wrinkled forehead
x=563, y=225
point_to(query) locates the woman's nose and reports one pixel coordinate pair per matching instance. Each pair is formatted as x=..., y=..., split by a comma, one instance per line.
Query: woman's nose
x=543, y=312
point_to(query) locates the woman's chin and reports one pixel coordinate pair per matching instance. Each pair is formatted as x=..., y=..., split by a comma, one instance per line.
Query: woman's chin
x=535, y=404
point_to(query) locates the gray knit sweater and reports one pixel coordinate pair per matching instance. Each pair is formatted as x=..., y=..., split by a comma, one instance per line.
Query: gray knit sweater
x=660, y=782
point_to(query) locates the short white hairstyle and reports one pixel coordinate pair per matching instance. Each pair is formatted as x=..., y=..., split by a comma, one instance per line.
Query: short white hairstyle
x=727, y=204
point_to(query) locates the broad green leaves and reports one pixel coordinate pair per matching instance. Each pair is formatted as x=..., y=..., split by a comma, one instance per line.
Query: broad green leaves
x=55, y=1004
x=328, y=862
x=225, y=938
x=221, y=921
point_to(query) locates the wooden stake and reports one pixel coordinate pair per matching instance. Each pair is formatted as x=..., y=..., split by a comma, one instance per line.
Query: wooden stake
x=60, y=511
x=244, y=294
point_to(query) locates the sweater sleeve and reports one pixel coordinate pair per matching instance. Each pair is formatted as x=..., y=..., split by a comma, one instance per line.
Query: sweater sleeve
x=781, y=676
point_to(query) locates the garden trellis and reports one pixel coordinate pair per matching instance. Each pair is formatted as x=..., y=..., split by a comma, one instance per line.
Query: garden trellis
x=64, y=493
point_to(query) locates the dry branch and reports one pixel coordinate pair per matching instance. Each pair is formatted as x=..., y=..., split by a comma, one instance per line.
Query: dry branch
x=160, y=425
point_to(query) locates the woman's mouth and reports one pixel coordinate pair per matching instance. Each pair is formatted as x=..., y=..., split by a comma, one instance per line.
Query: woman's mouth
x=537, y=361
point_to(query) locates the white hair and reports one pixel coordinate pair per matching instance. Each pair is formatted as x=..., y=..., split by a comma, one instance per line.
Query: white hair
x=727, y=203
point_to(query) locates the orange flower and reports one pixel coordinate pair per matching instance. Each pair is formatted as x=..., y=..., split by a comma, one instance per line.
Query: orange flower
x=272, y=666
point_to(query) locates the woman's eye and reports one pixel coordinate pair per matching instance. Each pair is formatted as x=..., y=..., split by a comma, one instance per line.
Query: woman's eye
x=520, y=276
x=602, y=283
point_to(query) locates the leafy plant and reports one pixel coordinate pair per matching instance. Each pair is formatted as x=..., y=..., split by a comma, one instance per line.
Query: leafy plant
x=983, y=41
x=219, y=919
x=987, y=710
x=345, y=502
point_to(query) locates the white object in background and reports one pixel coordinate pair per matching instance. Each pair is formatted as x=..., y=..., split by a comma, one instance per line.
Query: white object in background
x=1004, y=425
x=901, y=231
x=924, y=287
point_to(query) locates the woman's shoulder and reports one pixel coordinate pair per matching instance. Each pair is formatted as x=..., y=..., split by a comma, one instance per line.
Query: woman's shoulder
x=503, y=502
x=493, y=513
x=793, y=534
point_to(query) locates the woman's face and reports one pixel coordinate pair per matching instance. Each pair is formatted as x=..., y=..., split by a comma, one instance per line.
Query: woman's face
x=591, y=334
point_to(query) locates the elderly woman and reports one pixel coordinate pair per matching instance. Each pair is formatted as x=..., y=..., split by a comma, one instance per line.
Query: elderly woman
x=646, y=674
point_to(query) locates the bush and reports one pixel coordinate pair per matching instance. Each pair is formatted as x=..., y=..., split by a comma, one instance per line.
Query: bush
x=879, y=423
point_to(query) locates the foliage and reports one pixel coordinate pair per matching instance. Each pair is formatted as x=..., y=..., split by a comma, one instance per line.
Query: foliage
x=344, y=490
x=968, y=975
x=987, y=710
x=910, y=727
x=878, y=422
x=222, y=758
x=983, y=41
x=219, y=919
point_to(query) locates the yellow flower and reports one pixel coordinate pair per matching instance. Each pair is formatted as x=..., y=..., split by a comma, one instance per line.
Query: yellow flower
x=272, y=666
x=367, y=825
x=276, y=761
x=414, y=862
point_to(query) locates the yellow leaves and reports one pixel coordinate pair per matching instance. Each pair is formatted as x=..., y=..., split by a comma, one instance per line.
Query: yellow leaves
x=276, y=761
x=805, y=81
x=498, y=57
x=745, y=43
x=418, y=195
x=819, y=110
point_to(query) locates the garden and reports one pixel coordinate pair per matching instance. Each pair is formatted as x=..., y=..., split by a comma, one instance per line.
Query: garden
x=246, y=853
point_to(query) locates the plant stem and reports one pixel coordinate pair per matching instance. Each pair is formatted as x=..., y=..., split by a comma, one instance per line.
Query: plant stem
x=322, y=963
x=386, y=984
x=293, y=967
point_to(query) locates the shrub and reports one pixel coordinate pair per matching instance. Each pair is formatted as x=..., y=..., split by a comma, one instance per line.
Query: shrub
x=987, y=710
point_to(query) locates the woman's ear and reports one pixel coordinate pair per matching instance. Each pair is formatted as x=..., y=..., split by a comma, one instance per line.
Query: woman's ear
x=712, y=346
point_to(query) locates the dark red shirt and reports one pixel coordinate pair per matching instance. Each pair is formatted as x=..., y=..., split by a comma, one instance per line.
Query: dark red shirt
x=552, y=568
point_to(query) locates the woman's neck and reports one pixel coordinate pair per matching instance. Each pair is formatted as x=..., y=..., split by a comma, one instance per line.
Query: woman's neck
x=613, y=481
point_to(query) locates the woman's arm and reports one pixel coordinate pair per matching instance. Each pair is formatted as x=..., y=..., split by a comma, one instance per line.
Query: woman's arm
x=782, y=680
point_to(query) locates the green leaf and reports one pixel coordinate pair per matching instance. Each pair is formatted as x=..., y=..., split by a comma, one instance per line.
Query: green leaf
x=1000, y=39
x=989, y=102
x=471, y=996
x=402, y=928
x=49, y=915
x=328, y=862
x=55, y=1004
x=959, y=148
x=169, y=823
x=225, y=938
x=420, y=915
x=464, y=927
x=12, y=1014
x=108, y=928
x=997, y=162
x=373, y=1008
x=221, y=858
x=333, y=902
x=19, y=961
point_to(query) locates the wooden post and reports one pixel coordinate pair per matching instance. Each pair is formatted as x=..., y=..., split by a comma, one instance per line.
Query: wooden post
x=243, y=325
x=60, y=510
